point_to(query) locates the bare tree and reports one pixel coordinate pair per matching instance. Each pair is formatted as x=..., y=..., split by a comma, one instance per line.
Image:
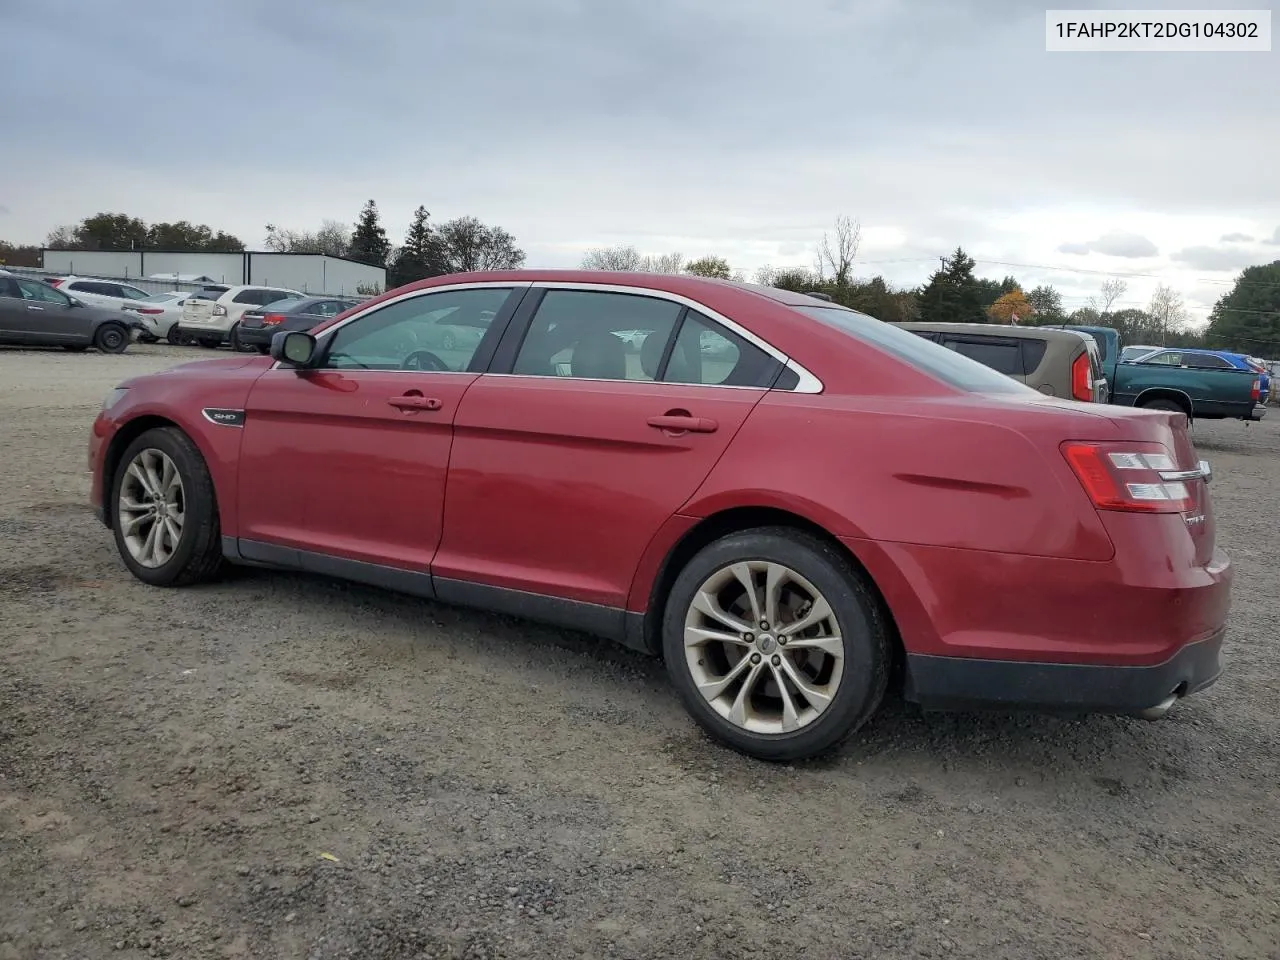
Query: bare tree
x=1167, y=310
x=628, y=259
x=62, y=238
x=333, y=239
x=1112, y=290
x=838, y=259
x=621, y=257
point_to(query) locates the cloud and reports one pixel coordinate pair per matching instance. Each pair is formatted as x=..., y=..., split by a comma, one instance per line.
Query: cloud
x=1115, y=244
x=1229, y=259
x=4, y=211
x=1236, y=238
x=1275, y=238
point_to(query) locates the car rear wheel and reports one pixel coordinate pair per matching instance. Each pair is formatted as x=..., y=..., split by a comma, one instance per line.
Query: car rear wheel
x=775, y=644
x=165, y=515
x=177, y=337
x=111, y=338
x=236, y=345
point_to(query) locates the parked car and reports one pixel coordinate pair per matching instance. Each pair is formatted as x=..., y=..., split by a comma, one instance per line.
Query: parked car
x=1197, y=383
x=159, y=315
x=1134, y=351
x=34, y=314
x=1056, y=362
x=833, y=501
x=211, y=321
x=100, y=293
x=259, y=325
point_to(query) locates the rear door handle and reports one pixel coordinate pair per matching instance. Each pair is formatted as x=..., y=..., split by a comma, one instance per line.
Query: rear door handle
x=683, y=423
x=410, y=402
x=32, y=306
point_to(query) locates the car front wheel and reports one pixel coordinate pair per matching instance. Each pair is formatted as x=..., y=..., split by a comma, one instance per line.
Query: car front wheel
x=165, y=515
x=775, y=644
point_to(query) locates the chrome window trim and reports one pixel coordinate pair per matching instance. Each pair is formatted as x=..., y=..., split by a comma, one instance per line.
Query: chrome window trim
x=808, y=382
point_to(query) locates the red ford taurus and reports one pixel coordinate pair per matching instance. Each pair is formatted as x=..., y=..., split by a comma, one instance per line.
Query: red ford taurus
x=788, y=501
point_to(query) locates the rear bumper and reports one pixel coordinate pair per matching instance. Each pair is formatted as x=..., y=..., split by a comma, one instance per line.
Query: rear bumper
x=1259, y=411
x=257, y=336
x=961, y=682
x=203, y=331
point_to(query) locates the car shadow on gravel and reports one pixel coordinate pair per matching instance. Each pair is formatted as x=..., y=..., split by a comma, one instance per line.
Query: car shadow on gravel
x=996, y=745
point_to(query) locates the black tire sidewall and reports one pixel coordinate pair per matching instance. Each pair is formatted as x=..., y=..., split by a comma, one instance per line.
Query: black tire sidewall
x=866, y=658
x=1169, y=405
x=105, y=332
x=199, y=502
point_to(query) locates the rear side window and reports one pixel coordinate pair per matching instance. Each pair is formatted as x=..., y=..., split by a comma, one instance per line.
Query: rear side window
x=707, y=353
x=937, y=361
x=1003, y=356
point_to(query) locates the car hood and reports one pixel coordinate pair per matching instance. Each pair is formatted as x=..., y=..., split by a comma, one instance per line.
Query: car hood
x=201, y=368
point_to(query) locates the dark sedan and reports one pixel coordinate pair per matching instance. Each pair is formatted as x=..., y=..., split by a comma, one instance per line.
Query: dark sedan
x=258, y=326
x=34, y=314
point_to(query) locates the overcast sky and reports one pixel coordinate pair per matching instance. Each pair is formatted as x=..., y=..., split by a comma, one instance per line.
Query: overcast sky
x=735, y=127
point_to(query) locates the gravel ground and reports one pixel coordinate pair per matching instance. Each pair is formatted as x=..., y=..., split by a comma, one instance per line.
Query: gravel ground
x=283, y=766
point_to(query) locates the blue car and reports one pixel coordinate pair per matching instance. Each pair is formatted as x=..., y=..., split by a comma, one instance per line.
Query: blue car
x=1237, y=360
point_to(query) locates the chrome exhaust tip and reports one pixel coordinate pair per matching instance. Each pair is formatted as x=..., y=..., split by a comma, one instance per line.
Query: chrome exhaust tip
x=1159, y=710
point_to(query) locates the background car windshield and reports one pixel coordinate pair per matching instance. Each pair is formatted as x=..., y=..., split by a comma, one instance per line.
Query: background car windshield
x=946, y=365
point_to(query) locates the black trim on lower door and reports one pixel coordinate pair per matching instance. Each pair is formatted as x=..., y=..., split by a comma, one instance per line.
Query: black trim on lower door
x=611, y=623
x=592, y=618
x=949, y=683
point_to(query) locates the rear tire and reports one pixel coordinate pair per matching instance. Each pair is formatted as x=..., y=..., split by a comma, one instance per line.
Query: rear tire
x=786, y=694
x=234, y=339
x=195, y=555
x=177, y=337
x=111, y=338
x=263, y=349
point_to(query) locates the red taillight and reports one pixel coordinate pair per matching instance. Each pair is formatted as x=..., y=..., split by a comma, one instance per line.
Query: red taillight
x=1135, y=477
x=1255, y=392
x=150, y=311
x=1082, y=378
x=271, y=319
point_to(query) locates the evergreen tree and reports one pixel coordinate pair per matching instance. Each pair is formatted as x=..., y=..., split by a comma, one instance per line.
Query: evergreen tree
x=952, y=295
x=369, y=242
x=1247, y=318
x=420, y=256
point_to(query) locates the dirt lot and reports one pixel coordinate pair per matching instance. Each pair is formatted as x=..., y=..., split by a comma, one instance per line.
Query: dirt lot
x=281, y=766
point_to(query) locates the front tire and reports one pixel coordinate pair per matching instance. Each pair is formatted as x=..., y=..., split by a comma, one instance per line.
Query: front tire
x=177, y=337
x=775, y=643
x=165, y=512
x=111, y=338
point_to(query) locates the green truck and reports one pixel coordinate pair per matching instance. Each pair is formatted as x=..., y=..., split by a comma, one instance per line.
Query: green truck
x=1199, y=386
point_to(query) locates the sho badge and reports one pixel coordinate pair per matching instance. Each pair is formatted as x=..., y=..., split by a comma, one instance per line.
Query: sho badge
x=226, y=418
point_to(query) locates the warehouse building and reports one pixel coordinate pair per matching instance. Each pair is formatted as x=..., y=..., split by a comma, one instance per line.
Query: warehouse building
x=307, y=272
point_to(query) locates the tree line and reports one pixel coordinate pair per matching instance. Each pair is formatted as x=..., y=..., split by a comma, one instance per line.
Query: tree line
x=428, y=250
x=1246, y=319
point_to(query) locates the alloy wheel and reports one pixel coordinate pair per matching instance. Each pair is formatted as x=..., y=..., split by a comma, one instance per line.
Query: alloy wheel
x=763, y=647
x=152, y=508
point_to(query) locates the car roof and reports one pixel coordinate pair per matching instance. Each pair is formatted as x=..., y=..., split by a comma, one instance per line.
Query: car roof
x=998, y=330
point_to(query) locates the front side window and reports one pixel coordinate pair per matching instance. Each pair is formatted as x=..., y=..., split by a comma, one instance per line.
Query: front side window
x=436, y=331
x=32, y=290
x=1169, y=359
x=597, y=335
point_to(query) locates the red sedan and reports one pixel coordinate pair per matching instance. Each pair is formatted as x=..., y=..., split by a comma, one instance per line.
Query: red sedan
x=788, y=501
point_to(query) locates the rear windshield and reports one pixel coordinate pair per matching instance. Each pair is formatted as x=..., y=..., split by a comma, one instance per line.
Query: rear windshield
x=208, y=293
x=946, y=365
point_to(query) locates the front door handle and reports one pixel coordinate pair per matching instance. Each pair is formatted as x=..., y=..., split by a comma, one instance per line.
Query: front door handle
x=683, y=423
x=32, y=306
x=415, y=402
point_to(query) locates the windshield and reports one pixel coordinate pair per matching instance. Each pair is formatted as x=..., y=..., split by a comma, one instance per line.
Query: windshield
x=946, y=365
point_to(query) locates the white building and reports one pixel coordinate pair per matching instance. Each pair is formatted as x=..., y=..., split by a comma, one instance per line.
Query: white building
x=306, y=272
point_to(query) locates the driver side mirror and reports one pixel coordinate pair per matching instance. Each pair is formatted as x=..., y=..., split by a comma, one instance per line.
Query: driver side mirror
x=296, y=348
x=75, y=302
